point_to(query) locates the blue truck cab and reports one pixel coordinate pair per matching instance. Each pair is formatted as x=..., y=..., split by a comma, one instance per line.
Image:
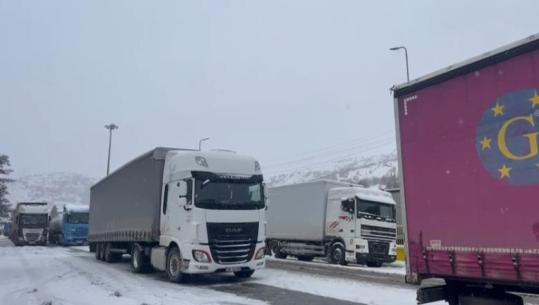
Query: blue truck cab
x=69, y=225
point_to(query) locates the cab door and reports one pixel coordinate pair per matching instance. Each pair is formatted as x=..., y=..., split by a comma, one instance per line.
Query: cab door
x=347, y=219
x=174, y=210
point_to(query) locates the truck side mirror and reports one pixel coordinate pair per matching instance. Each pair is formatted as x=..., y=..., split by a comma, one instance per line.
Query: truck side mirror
x=185, y=192
x=347, y=206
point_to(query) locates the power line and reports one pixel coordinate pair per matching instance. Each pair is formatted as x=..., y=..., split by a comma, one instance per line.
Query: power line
x=356, y=148
x=311, y=166
x=332, y=150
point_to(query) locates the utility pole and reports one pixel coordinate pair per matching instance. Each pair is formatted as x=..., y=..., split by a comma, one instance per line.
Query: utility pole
x=110, y=127
x=406, y=56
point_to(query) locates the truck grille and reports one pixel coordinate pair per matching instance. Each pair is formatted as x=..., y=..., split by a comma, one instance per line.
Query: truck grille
x=378, y=248
x=31, y=236
x=232, y=243
x=378, y=233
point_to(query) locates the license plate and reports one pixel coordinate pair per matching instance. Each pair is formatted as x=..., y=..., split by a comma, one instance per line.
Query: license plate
x=233, y=269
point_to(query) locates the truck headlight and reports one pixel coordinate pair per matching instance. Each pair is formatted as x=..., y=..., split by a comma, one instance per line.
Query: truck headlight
x=201, y=256
x=260, y=253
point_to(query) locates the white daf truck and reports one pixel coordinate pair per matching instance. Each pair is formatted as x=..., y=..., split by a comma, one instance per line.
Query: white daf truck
x=339, y=221
x=30, y=224
x=183, y=212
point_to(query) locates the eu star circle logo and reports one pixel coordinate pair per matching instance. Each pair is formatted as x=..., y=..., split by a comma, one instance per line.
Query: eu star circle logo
x=507, y=139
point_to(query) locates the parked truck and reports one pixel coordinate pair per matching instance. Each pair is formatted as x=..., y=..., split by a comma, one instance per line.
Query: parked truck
x=183, y=212
x=30, y=223
x=469, y=161
x=339, y=221
x=69, y=225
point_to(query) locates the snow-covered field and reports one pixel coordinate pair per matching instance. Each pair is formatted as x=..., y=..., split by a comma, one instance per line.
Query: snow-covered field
x=38, y=275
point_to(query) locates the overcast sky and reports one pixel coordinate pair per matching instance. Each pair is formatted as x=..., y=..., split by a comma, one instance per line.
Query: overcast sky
x=274, y=79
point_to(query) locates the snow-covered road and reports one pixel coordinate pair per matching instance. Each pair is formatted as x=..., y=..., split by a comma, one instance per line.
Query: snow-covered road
x=38, y=275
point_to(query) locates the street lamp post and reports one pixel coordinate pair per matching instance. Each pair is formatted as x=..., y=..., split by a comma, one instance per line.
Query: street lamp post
x=200, y=143
x=406, y=56
x=110, y=127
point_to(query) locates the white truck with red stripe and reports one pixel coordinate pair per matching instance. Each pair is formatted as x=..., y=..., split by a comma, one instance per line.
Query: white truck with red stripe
x=342, y=222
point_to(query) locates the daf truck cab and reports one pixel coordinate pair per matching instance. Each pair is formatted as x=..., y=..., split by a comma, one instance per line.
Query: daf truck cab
x=183, y=212
x=365, y=220
x=341, y=222
x=30, y=223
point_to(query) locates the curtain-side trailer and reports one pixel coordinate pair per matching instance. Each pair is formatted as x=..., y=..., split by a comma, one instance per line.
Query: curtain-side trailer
x=469, y=161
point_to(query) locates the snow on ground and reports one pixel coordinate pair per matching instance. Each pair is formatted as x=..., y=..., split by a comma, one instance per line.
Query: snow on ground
x=38, y=275
x=348, y=290
x=393, y=268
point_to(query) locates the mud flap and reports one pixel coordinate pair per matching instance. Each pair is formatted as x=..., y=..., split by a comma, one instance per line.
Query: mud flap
x=431, y=294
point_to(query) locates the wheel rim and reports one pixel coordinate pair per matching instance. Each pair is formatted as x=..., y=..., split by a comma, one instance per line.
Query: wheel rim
x=174, y=265
x=337, y=254
x=135, y=259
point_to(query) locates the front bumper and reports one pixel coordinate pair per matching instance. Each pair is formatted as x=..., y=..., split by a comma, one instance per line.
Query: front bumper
x=192, y=266
x=363, y=258
x=375, y=251
x=75, y=242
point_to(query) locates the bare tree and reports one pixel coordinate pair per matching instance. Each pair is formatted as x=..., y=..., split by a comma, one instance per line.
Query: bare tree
x=4, y=180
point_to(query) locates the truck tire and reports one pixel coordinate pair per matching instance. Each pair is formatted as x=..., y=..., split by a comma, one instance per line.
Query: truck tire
x=92, y=247
x=305, y=258
x=244, y=274
x=374, y=264
x=61, y=240
x=97, y=251
x=108, y=255
x=102, y=251
x=139, y=262
x=174, y=261
x=337, y=254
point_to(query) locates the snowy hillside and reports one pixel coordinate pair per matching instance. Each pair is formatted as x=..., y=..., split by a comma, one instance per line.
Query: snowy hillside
x=377, y=170
x=55, y=188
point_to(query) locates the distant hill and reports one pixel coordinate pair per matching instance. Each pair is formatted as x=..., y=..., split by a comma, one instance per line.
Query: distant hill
x=62, y=187
x=54, y=188
x=380, y=170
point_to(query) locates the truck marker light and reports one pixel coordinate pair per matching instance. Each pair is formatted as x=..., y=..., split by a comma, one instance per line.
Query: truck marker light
x=201, y=256
x=260, y=253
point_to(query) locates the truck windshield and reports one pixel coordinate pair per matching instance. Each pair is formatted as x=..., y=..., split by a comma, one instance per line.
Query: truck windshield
x=228, y=194
x=375, y=209
x=33, y=219
x=77, y=218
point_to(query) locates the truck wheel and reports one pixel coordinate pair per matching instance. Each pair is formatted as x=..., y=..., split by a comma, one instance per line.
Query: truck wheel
x=245, y=274
x=92, y=247
x=374, y=264
x=108, y=255
x=101, y=251
x=61, y=240
x=337, y=255
x=305, y=258
x=139, y=261
x=97, y=250
x=174, y=263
